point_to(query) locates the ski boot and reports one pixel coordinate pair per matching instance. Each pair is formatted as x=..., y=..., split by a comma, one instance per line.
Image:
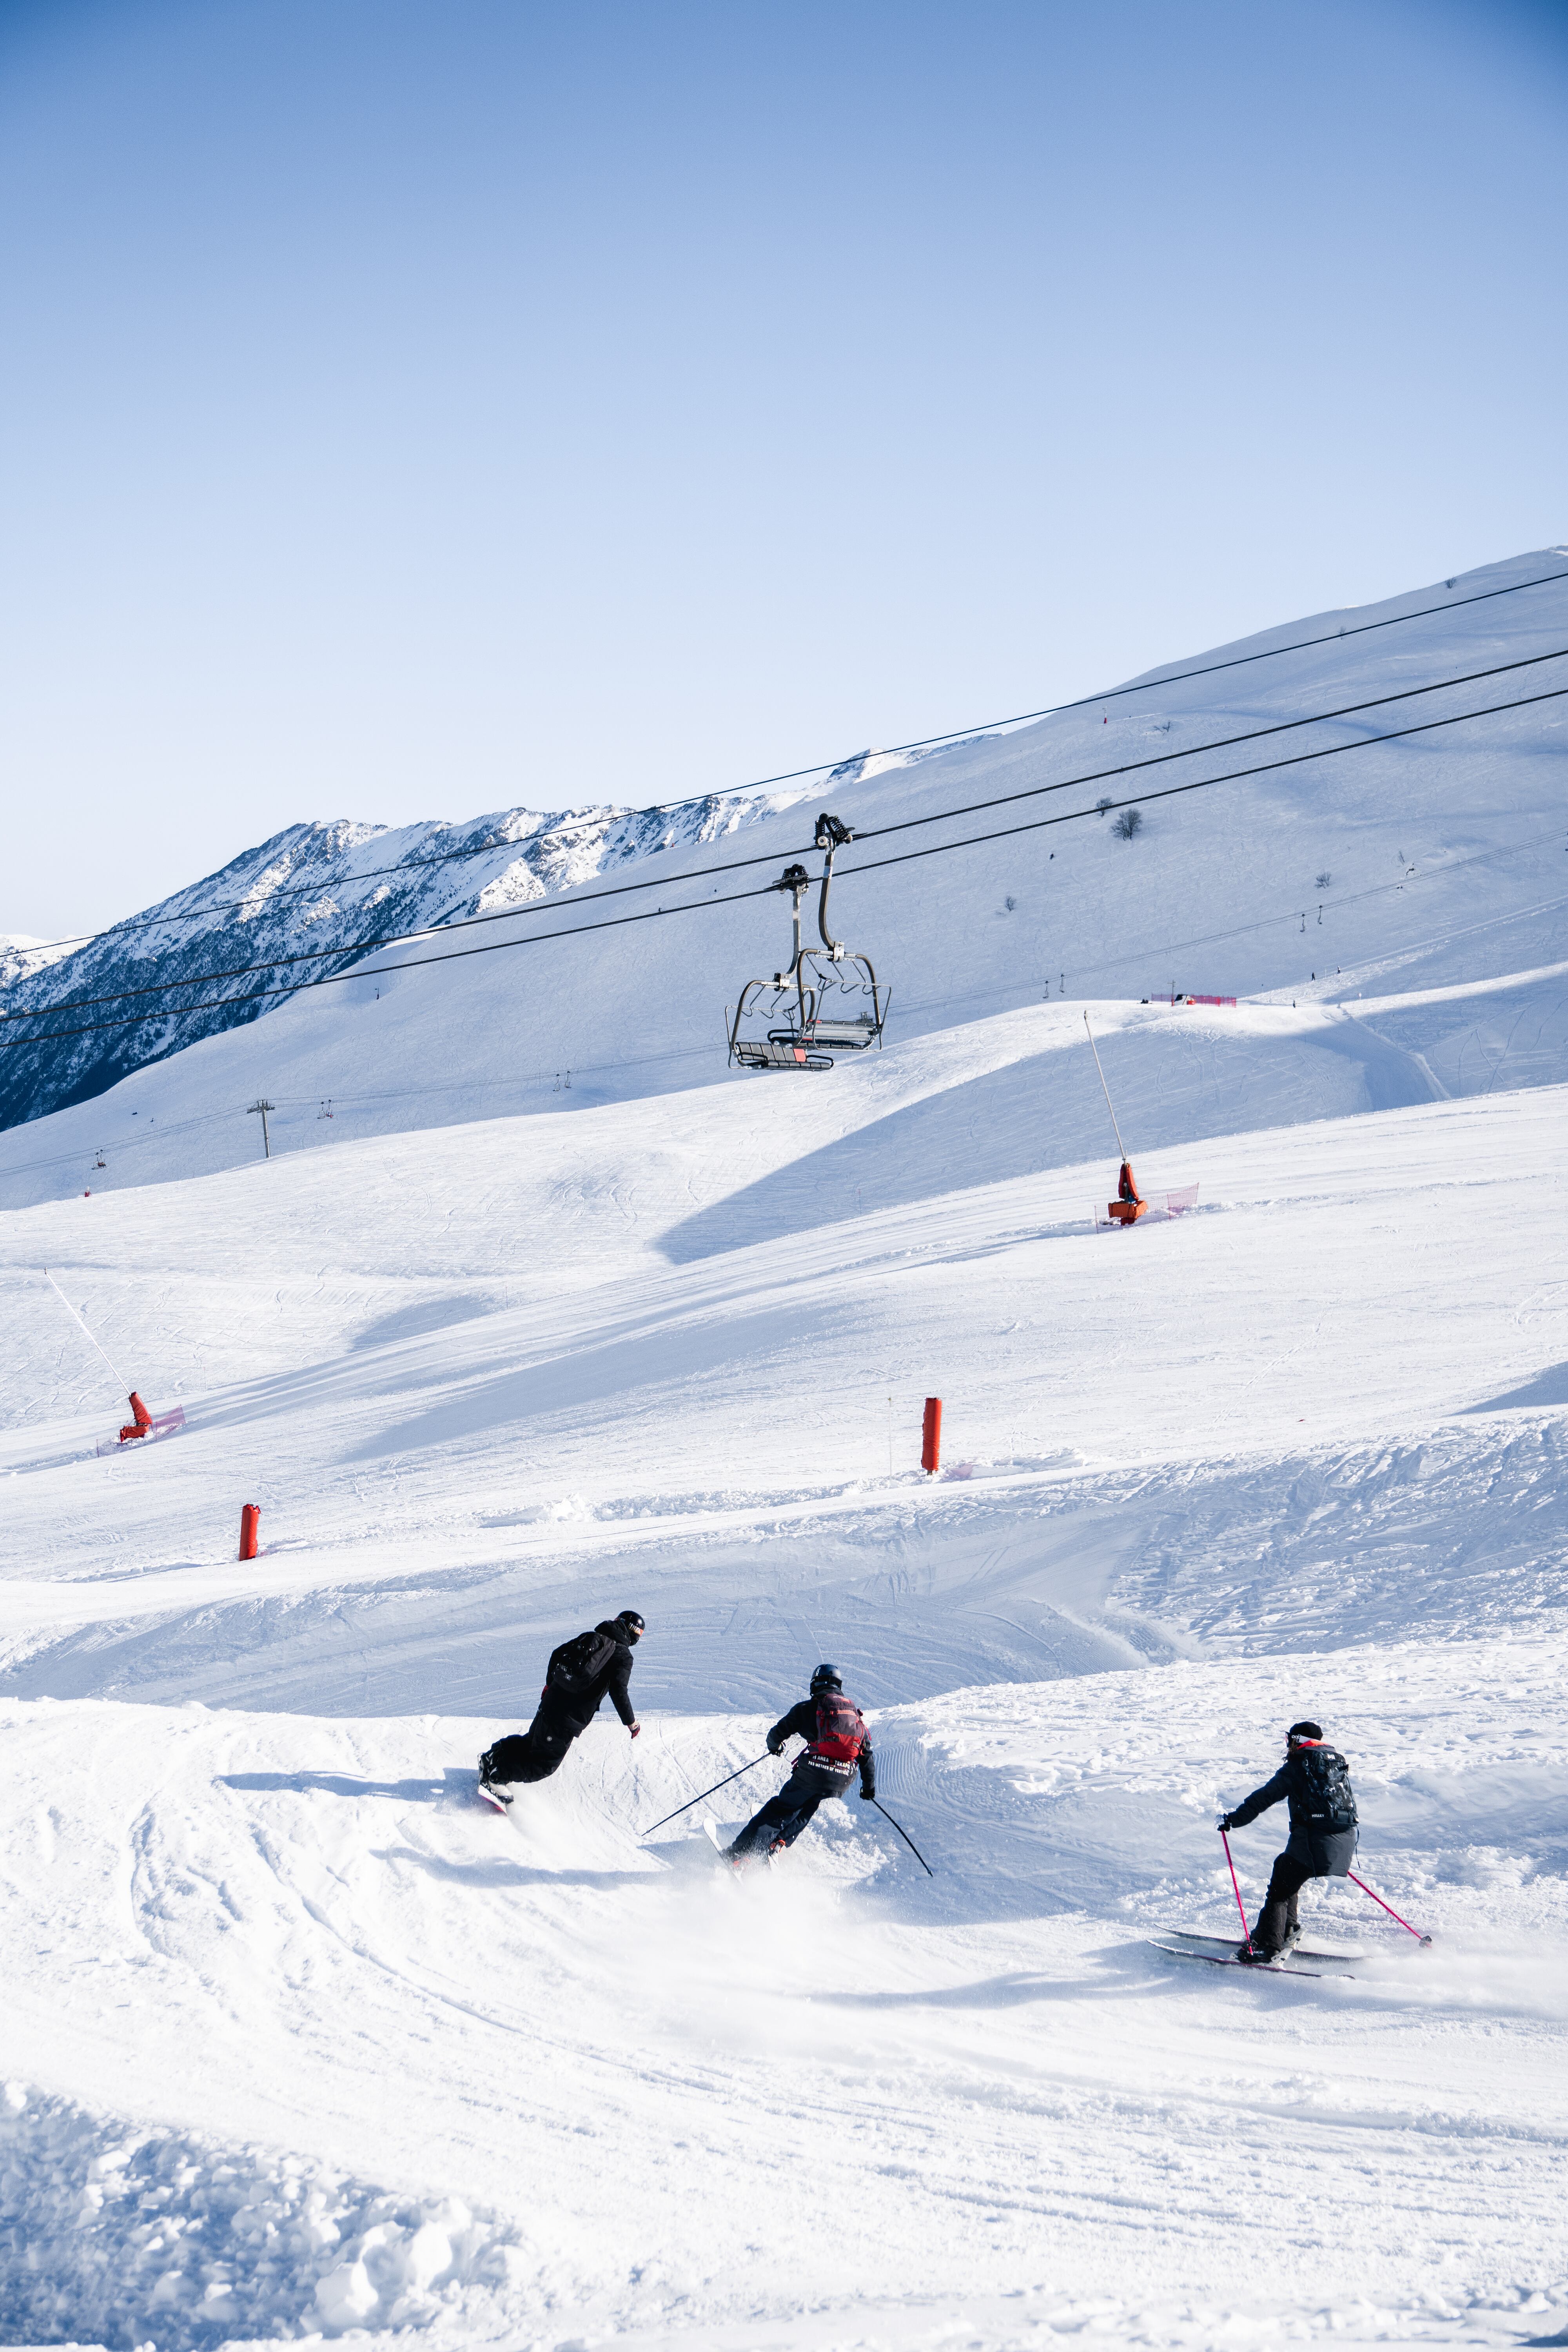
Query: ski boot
x=1268, y=1938
x=493, y=1788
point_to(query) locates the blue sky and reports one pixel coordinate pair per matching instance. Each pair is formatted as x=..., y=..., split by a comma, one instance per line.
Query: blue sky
x=412, y=409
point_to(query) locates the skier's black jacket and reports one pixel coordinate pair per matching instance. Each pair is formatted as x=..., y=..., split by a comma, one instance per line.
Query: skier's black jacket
x=578, y=1708
x=1315, y=1780
x=800, y=1723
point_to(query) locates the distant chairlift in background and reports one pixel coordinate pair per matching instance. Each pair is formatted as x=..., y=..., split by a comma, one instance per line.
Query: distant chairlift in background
x=828, y=996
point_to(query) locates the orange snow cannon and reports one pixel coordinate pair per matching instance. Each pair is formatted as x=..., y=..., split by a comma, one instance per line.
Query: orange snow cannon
x=140, y=1422
x=1129, y=1204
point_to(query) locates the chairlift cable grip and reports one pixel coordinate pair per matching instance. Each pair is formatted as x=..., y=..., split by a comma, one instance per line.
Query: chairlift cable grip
x=1109, y=1106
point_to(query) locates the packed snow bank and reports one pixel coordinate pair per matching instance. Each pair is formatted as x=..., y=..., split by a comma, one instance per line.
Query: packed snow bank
x=598, y=2069
x=128, y=2233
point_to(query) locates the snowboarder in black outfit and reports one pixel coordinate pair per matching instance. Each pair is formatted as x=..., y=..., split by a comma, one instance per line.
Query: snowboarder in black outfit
x=579, y=1674
x=1315, y=1780
x=836, y=1742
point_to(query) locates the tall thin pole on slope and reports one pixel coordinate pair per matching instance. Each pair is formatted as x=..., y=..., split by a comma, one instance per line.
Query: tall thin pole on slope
x=120, y=1382
x=1105, y=1090
x=264, y=1107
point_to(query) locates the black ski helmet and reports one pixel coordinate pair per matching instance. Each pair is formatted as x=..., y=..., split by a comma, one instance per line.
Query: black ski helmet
x=1303, y=1730
x=827, y=1678
x=631, y=1624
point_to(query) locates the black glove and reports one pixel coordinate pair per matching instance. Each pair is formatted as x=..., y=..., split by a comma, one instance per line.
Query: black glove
x=867, y=1796
x=775, y=1751
x=1225, y=1822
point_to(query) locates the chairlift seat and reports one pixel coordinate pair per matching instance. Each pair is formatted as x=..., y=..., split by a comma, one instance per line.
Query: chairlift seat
x=850, y=1035
x=784, y=1051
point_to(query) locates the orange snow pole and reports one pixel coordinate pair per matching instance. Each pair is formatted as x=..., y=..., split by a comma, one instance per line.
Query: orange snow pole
x=249, y=1519
x=931, y=1437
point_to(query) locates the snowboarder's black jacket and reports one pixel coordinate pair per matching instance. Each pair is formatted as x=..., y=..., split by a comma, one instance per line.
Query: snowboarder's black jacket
x=1314, y=1779
x=578, y=1708
x=800, y=1723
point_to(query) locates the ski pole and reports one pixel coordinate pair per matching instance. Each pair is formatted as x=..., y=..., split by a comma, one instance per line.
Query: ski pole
x=905, y=1835
x=1388, y=1907
x=1239, y=1905
x=707, y=1792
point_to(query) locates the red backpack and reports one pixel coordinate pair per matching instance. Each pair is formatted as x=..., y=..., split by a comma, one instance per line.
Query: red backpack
x=840, y=1729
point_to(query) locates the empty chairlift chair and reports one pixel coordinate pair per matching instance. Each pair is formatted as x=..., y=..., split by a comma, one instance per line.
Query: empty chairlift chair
x=828, y=997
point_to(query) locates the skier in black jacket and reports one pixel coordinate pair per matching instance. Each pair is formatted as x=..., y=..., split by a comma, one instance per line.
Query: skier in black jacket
x=578, y=1677
x=1322, y=1842
x=836, y=1742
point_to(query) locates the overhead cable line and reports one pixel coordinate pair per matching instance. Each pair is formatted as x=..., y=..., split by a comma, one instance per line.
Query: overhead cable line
x=737, y=865
x=1199, y=785
x=914, y=1005
x=732, y=898
x=795, y=775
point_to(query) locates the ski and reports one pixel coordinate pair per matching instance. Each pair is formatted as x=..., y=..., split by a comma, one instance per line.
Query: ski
x=489, y=1796
x=711, y=1830
x=1253, y=1968
x=1228, y=1945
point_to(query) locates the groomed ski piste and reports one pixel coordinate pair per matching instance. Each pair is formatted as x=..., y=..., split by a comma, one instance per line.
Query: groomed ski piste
x=302, y=2039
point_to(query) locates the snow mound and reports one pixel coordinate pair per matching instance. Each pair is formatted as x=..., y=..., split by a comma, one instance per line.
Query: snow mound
x=118, y=2233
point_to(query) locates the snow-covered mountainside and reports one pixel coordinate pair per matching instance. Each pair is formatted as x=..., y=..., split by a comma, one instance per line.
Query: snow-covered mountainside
x=305, y=902
x=301, y=2041
x=1430, y=868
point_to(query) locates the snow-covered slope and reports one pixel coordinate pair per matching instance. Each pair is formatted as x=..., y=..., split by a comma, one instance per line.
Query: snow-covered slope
x=300, y=2040
x=1445, y=853
x=1301, y=1449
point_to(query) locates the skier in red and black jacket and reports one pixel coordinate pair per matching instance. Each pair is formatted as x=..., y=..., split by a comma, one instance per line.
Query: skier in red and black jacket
x=1315, y=1780
x=836, y=1742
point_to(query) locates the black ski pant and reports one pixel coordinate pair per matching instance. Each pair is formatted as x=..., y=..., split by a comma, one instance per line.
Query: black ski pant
x=783, y=1818
x=1289, y=1874
x=1328, y=1857
x=536, y=1753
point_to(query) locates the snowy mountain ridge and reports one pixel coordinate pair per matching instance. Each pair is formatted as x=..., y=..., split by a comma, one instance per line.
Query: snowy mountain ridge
x=320, y=888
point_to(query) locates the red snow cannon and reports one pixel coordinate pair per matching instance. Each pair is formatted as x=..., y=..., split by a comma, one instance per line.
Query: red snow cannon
x=1129, y=1204
x=140, y=1422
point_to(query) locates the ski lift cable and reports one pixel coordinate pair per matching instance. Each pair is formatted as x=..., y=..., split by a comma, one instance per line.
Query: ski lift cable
x=732, y=898
x=734, y=866
x=1221, y=743
x=1202, y=783
x=796, y=775
x=917, y=1004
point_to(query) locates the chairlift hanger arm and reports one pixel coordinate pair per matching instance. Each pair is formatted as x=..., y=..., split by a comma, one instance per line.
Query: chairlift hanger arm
x=832, y=834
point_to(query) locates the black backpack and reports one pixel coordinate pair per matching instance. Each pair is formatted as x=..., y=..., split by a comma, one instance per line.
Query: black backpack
x=577, y=1664
x=1326, y=1791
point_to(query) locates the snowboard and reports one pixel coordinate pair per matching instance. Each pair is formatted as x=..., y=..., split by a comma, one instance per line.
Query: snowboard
x=491, y=1796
